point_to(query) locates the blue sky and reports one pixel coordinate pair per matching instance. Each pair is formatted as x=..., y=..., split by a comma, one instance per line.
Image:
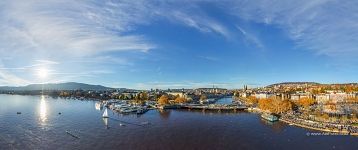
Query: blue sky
x=178, y=44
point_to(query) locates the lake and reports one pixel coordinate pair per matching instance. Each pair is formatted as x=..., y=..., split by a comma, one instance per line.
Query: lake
x=40, y=126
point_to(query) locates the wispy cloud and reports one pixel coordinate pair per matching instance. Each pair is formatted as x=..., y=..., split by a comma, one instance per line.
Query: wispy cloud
x=185, y=84
x=209, y=58
x=79, y=36
x=201, y=22
x=67, y=27
x=327, y=27
x=251, y=38
x=53, y=32
x=10, y=79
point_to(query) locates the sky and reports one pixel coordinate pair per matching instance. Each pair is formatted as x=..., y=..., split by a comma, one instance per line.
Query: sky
x=178, y=44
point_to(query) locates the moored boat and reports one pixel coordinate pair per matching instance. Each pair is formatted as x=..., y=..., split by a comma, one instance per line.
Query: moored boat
x=269, y=117
x=98, y=106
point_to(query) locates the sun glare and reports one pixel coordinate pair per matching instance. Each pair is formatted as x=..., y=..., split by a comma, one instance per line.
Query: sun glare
x=42, y=73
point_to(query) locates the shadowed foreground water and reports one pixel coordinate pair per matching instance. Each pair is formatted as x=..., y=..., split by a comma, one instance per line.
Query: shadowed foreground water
x=40, y=126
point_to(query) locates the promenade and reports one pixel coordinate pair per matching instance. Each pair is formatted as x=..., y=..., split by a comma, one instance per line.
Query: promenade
x=321, y=126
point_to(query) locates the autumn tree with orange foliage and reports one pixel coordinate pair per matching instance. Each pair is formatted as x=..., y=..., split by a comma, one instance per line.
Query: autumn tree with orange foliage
x=285, y=105
x=306, y=102
x=163, y=100
x=275, y=105
x=252, y=100
x=265, y=104
x=352, y=100
x=180, y=100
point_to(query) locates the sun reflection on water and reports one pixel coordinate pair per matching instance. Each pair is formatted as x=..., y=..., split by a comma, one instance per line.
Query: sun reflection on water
x=43, y=109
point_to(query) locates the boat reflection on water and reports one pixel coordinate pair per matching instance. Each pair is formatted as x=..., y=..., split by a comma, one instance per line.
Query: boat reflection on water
x=277, y=127
x=105, y=121
x=164, y=114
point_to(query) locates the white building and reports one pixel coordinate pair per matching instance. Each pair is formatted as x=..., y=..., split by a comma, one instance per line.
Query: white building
x=262, y=95
x=338, y=97
x=297, y=97
x=322, y=98
x=181, y=94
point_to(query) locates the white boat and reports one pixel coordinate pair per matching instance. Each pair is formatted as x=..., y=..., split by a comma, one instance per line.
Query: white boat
x=105, y=113
x=98, y=106
x=128, y=110
x=269, y=117
x=141, y=110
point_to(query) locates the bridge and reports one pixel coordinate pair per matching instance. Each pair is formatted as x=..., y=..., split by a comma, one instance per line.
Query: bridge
x=214, y=107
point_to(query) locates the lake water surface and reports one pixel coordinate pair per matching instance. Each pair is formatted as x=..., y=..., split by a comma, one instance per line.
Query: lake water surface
x=40, y=126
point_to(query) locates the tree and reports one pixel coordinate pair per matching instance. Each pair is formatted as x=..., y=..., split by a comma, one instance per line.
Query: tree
x=163, y=100
x=285, y=106
x=236, y=94
x=348, y=89
x=144, y=96
x=203, y=97
x=265, y=104
x=352, y=100
x=122, y=97
x=137, y=97
x=306, y=102
x=180, y=100
x=252, y=100
x=325, y=116
x=275, y=105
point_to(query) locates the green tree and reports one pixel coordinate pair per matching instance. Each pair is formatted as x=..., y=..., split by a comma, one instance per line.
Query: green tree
x=144, y=96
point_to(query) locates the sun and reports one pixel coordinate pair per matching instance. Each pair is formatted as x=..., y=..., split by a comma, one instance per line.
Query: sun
x=42, y=73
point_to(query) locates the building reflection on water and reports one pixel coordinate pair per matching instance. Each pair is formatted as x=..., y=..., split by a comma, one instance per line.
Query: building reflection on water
x=43, y=110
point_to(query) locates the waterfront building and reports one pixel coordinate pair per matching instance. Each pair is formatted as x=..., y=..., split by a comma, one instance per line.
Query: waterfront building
x=263, y=95
x=322, y=98
x=178, y=93
x=334, y=97
x=245, y=94
x=298, y=96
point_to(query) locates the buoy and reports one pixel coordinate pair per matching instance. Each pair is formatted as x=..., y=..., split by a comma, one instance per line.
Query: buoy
x=59, y=113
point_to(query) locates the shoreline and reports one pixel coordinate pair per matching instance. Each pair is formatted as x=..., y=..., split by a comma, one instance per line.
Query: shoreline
x=318, y=129
x=250, y=110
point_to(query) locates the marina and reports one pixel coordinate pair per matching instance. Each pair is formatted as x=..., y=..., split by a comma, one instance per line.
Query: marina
x=126, y=107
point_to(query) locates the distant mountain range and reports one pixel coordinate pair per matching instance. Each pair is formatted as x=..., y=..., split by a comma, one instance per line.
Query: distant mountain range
x=55, y=86
x=293, y=83
x=308, y=83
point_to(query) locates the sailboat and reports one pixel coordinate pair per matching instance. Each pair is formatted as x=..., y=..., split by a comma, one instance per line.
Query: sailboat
x=105, y=114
